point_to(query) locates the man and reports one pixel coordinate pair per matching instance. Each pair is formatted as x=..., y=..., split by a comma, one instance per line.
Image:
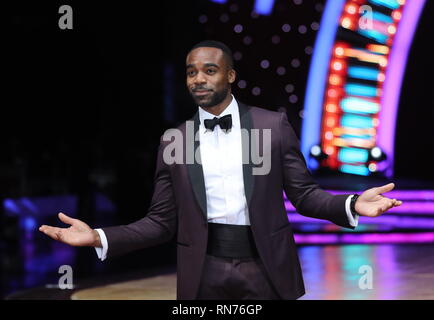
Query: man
x=234, y=240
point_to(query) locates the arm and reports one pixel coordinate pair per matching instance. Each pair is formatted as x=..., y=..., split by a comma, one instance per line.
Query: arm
x=157, y=227
x=300, y=188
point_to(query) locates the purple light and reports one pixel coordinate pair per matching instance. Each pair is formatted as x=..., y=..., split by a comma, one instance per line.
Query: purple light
x=398, y=194
x=413, y=207
x=316, y=238
x=393, y=80
x=264, y=7
x=41, y=206
x=393, y=221
x=422, y=237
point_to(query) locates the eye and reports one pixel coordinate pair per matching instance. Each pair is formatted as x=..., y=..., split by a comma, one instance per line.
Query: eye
x=191, y=73
x=210, y=71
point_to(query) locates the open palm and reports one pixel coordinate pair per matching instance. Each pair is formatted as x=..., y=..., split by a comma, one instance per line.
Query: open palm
x=372, y=203
x=79, y=234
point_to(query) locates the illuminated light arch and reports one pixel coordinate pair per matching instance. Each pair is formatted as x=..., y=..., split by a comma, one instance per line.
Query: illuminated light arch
x=353, y=92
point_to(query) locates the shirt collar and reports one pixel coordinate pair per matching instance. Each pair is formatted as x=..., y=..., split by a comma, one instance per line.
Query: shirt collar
x=232, y=109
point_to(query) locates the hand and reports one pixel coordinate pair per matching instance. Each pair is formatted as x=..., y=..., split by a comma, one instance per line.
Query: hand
x=79, y=234
x=372, y=204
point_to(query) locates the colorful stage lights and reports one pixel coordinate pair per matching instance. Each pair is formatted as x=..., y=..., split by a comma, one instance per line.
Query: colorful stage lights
x=354, y=63
x=415, y=216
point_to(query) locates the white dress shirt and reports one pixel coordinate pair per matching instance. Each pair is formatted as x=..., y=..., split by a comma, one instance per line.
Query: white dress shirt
x=222, y=163
x=221, y=154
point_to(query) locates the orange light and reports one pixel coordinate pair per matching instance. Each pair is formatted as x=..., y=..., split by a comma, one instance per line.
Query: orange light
x=351, y=9
x=396, y=15
x=379, y=92
x=365, y=56
x=330, y=150
x=339, y=51
x=337, y=66
x=391, y=29
x=332, y=93
x=331, y=107
x=378, y=48
x=339, y=142
x=346, y=23
x=383, y=62
x=330, y=122
x=335, y=80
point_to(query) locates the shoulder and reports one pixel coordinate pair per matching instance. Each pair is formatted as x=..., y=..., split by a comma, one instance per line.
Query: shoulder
x=260, y=111
x=262, y=117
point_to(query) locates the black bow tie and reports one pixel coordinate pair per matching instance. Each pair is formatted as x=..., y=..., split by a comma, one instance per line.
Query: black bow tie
x=224, y=122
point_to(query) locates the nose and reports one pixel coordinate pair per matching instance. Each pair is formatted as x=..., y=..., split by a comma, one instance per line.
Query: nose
x=199, y=79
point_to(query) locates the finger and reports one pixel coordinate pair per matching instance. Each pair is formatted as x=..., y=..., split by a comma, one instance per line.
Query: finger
x=385, y=188
x=53, y=232
x=396, y=203
x=65, y=219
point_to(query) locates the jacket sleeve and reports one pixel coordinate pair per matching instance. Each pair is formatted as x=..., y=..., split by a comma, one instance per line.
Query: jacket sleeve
x=158, y=226
x=301, y=189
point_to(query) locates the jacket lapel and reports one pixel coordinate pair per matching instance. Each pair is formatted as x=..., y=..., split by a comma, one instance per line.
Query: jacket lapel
x=247, y=124
x=195, y=170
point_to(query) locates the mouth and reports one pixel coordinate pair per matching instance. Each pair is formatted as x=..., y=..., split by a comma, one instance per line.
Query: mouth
x=201, y=93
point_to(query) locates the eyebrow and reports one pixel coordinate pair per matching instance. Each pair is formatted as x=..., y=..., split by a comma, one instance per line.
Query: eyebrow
x=209, y=64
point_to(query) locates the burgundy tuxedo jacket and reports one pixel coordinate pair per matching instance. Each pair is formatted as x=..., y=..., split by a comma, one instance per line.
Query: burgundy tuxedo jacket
x=178, y=207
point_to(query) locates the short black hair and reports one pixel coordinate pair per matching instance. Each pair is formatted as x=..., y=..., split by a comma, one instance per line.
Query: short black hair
x=219, y=45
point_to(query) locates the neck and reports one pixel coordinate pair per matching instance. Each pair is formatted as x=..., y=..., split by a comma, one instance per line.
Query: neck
x=219, y=108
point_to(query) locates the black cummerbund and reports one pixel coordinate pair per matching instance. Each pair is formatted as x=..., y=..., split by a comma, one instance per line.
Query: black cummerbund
x=231, y=241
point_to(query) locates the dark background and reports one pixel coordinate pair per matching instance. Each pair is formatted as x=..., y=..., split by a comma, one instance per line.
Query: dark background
x=83, y=109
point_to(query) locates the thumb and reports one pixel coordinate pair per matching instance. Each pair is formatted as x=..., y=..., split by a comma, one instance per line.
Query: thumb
x=385, y=188
x=65, y=219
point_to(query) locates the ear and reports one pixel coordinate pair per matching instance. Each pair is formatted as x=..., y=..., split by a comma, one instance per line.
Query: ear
x=232, y=75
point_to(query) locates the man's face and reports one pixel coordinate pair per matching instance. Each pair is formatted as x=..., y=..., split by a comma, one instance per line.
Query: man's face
x=209, y=77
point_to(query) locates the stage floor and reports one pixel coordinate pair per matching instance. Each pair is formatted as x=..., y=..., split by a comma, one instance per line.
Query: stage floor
x=330, y=273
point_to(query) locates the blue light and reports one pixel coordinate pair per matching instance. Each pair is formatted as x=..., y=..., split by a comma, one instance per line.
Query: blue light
x=355, y=121
x=355, y=136
x=313, y=164
x=355, y=89
x=317, y=79
x=359, y=170
x=373, y=34
x=391, y=4
x=363, y=73
x=352, y=155
x=357, y=105
x=381, y=17
x=264, y=7
x=28, y=223
x=10, y=206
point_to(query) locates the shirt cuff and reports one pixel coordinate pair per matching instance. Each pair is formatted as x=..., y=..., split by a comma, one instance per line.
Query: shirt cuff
x=352, y=219
x=102, y=252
